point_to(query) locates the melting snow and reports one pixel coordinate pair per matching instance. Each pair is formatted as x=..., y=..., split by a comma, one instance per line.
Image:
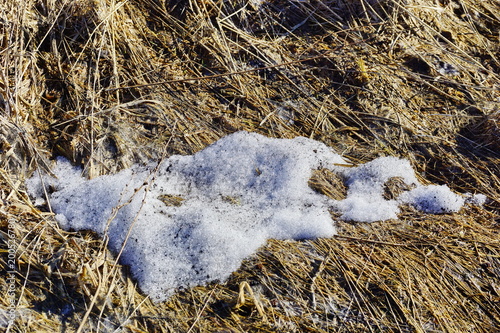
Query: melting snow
x=193, y=219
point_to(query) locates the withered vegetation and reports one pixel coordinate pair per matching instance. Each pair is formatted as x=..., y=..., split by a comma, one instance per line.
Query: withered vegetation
x=109, y=83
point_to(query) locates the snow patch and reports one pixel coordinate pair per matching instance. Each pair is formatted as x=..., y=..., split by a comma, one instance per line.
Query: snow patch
x=434, y=199
x=193, y=219
x=365, y=201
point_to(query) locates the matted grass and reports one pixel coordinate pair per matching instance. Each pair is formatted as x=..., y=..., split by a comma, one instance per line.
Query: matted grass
x=111, y=83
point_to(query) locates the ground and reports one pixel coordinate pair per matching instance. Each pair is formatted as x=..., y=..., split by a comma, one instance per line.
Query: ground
x=107, y=84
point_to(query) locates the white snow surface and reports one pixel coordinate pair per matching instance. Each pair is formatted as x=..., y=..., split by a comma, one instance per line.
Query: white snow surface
x=238, y=192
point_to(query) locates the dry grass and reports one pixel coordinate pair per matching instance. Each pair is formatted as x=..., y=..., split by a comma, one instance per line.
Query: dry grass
x=110, y=83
